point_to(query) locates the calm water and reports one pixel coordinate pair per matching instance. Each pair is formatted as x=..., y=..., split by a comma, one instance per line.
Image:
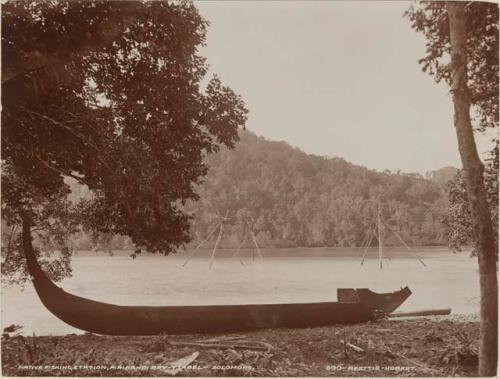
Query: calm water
x=285, y=275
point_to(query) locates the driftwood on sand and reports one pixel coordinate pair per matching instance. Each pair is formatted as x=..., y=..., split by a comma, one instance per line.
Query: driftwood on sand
x=425, y=312
x=229, y=343
x=352, y=346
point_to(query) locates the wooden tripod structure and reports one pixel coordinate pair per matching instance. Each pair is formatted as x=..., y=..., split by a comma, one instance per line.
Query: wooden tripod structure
x=220, y=226
x=378, y=231
x=248, y=229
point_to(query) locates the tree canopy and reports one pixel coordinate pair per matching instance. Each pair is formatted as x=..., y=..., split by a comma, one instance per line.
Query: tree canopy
x=431, y=19
x=114, y=95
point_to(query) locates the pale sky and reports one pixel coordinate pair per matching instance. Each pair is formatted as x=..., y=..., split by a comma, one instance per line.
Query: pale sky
x=336, y=79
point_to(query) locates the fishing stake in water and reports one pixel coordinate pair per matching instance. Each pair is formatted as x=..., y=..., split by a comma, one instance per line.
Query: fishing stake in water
x=220, y=227
x=378, y=232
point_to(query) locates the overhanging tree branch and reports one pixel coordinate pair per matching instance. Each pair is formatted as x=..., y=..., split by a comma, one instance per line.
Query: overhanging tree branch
x=72, y=131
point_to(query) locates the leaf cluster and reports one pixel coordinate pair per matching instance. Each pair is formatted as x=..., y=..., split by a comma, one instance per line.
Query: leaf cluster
x=431, y=19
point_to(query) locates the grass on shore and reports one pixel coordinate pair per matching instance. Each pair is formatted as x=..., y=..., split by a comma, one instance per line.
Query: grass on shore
x=423, y=347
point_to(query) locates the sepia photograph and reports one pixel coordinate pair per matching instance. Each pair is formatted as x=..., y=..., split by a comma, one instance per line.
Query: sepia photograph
x=249, y=188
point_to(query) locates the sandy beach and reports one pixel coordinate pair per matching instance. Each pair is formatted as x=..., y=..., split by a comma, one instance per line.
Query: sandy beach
x=430, y=346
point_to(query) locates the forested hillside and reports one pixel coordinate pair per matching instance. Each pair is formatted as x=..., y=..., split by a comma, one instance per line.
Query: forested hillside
x=295, y=199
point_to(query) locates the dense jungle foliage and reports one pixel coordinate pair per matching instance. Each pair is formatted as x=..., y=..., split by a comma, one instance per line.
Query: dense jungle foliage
x=294, y=199
x=290, y=199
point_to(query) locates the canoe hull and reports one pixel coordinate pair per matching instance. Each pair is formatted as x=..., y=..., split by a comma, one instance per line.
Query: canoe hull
x=110, y=319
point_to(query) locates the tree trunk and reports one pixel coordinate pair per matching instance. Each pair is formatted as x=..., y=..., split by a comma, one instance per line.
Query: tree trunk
x=29, y=253
x=483, y=231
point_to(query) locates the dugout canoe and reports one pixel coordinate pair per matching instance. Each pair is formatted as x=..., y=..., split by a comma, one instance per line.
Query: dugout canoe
x=353, y=306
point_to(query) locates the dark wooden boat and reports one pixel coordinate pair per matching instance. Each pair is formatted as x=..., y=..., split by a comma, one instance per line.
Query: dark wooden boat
x=353, y=305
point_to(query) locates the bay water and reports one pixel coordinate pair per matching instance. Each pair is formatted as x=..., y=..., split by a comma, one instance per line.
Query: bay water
x=283, y=276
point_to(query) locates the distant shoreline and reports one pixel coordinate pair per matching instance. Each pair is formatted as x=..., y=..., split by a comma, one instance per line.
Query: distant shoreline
x=191, y=248
x=283, y=252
